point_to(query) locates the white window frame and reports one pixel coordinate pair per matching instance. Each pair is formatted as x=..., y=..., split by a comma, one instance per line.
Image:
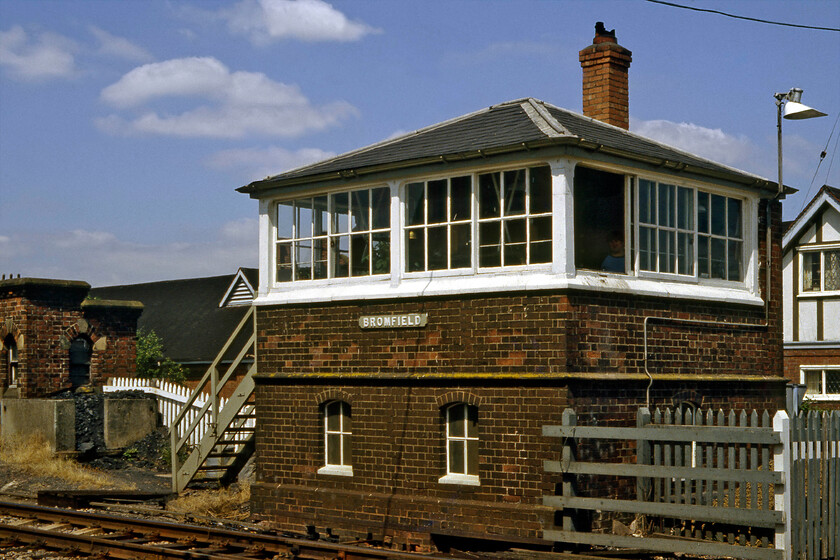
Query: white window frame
x=822, y=395
x=344, y=433
x=12, y=361
x=693, y=231
x=464, y=478
x=822, y=249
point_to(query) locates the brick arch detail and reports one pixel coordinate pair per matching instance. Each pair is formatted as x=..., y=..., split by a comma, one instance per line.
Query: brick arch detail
x=333, y=395
x=9, y=327
x=82, y=327
x=452, y=397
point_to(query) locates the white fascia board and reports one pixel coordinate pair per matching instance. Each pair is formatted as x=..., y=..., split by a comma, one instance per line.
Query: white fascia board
x=365, y=289
x=803, y=219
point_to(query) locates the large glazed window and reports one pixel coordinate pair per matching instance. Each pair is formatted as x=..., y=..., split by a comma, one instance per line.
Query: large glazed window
x=821, y=271
x=822, y=382
x=438, y=224
x=689, y=232
x=514, y=217
x=334, y=236
x=599, y=220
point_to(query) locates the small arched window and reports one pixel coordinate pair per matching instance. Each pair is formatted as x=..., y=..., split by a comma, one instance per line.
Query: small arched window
x=12, y=364
x=461, y=444
x=338, y=451
x=80, y=352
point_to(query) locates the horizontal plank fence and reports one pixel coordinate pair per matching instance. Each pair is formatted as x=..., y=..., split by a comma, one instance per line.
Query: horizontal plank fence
x=171, y=399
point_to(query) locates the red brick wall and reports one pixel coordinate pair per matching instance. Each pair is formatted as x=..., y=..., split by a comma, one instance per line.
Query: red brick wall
x=44, y=316
x=796, y=358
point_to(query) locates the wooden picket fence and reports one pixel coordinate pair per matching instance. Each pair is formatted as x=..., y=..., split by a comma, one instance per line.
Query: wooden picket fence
x=171, y=400
x=709, y=483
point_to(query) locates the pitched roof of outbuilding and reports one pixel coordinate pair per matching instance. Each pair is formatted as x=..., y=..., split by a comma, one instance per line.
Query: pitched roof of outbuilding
x=827, y=196
x=185, y=314
x=523, y=124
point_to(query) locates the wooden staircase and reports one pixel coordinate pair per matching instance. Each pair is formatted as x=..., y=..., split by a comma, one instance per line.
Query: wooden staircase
x=227, y=441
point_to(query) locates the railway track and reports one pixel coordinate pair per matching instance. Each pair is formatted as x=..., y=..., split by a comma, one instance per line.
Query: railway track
x=115, y=536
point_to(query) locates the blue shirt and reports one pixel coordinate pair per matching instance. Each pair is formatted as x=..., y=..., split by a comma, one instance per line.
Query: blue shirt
x=613, y=264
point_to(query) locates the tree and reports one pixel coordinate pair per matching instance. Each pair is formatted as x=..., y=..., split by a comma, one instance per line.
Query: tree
x=151, y=361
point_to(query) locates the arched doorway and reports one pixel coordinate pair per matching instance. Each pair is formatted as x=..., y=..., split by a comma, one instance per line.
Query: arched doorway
x=80, y=351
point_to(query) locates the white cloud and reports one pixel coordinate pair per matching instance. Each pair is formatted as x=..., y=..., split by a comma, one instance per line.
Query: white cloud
x=242, y=103
x=713, y=144
x=119, y=47
x=265, y=21
x=101, y=258
x=258, y=163
x=43, y=57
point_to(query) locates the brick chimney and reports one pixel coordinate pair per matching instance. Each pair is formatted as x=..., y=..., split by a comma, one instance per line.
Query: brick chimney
x=605, y=64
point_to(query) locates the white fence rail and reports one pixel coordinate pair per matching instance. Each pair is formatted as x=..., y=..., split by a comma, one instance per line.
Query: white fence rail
x=171, y=398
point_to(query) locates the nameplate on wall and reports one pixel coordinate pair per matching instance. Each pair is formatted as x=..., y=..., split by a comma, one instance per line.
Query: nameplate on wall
x=403, y=321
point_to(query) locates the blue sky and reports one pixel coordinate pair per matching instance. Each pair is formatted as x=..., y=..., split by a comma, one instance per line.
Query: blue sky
x=125, y=126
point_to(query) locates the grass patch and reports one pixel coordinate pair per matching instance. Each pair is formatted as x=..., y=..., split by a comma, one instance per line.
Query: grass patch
x=224, y=503
x=33, y=457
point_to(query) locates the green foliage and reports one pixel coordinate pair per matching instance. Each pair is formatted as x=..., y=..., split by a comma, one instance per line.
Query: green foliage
x=152, y=363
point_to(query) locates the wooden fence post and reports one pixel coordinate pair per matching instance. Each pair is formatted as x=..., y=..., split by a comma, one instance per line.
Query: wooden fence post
x=643, y=485
x=782, y=461
x=569, y=419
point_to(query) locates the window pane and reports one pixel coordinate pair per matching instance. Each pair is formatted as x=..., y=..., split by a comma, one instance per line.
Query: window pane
x=685, y=253
x=647, y=245
x=488, y=195
x=666, y=205
x=415, y=250
x=414, y=212
x=455, y=417
x=284, y=262
x=285, y=220
x=685, y=208
x=472, y=421
x=333, y=416
x=320, y=216
x=472, y=457
x=489, y=240
x=347, y=449
x=733, y=218
x=340, y=256
x=359, y=255
x=734, y=258
x=832, y=270
x=303, y=218
x=718, y=258
x=437, y=248
x=303, y=260
x=360, y=210
x=667, y=254
x=515, y=237
x=381, y=253
x=319, y=258
x=647, y=201
x=540, y=245
x=381, y=208
x=703, y=212
x=456, y=457
x=813, y=382
x=460, y=206
x=460, y=246
x=333, y=449
x=703, y=256
x=832, y=381
x=340, y=207
x=810, y=272
x=718, y=215
x=436, y=195
x=514, y=192
x=540, y=179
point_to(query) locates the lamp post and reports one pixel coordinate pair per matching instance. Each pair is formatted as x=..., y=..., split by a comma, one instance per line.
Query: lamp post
x=793, y=110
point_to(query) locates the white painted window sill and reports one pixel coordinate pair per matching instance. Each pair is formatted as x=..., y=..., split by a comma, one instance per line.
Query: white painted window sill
x=336, y=470
x=462, y=479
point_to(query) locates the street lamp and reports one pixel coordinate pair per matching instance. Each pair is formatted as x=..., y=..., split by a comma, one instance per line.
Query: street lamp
x=793, y=110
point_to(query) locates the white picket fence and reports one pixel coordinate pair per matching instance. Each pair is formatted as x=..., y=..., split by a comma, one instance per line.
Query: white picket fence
x=171, y=398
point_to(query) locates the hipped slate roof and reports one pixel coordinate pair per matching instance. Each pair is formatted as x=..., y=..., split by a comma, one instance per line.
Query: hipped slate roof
x=185, y=314
x=524, y=124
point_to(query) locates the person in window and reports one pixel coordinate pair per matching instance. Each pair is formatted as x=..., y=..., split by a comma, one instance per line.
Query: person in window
x=614, y=261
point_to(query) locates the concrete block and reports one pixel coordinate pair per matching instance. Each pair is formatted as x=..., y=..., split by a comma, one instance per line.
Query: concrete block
x=54, y=419
x=127, y=420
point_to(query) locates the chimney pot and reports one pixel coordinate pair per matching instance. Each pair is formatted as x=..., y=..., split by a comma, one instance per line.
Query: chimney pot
x=605, y=66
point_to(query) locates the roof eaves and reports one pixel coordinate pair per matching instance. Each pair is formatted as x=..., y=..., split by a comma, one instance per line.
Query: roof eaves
x=825, y=196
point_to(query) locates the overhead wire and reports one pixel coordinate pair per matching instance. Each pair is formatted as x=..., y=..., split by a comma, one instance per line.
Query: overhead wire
x=758, y=20
x=823, y=153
